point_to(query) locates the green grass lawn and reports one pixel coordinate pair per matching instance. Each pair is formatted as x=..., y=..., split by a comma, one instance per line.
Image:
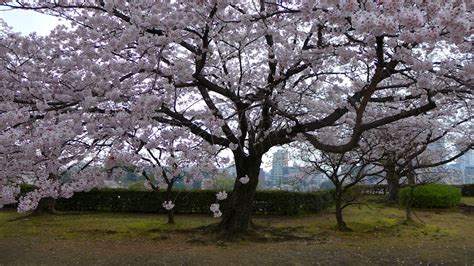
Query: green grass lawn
x=95, y=225
x=468, y=200
x=379, y=233
x=375, y=216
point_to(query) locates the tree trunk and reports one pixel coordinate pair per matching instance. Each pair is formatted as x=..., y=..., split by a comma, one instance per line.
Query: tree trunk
x=341, y=225
x=393, y=189
x=238, y=210
x=169, y=198
x=392, y=183
x=171, y=217
x=412, y=183
x=46, y=205
x=408, y=207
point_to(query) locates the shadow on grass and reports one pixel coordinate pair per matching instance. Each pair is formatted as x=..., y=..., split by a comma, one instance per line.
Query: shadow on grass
x=48, y=214
x=208, y=235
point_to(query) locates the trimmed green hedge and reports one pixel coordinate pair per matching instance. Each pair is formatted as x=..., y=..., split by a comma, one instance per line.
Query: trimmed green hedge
x=467, y=190
x=432, y=196
x=122, y=200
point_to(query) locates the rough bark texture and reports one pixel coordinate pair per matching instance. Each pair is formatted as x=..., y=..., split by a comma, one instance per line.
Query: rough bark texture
x=171, y=217
x=237, y=213
x=392, y=182
x=393, y=188
x=168, y=198
x=46, y=205
x=408, y=211
x=341, y=225
x=412, y=183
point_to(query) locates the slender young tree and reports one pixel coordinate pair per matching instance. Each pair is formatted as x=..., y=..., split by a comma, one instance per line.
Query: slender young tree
x=345, y=171
x=167, y=155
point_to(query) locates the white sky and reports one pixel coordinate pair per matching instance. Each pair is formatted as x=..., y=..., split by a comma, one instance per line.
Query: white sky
x=26, y=22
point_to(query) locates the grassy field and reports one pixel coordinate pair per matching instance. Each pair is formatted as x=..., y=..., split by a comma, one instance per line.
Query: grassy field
x=468, y=200
x=379, y=236
x=94, y=226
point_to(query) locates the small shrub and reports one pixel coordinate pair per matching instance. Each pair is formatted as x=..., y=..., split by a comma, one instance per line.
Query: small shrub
x=468, y=190
x=432, y=196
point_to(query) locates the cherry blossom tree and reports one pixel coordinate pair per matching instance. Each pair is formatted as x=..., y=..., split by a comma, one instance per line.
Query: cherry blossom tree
x=423, y=159
x=43, y=139
x=345, y=171
x=413, y=152
x=422, y=145
x=241, y=75
x=164, y=155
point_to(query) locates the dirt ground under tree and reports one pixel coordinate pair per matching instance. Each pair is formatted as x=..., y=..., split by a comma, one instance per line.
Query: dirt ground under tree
x=379, y=236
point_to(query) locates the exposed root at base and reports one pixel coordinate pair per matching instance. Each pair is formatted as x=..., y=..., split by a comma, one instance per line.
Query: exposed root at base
x=257, y=233
x=345, y=229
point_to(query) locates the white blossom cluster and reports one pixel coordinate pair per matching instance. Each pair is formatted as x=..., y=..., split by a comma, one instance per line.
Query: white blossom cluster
x=47, y=187
x=8, y=195
x=244, y=180
x=215, y=210
x=222, y=195
x=168, y=205
x=215, y=207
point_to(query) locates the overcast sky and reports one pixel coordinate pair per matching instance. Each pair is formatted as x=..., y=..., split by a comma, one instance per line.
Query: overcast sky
x=28, y=21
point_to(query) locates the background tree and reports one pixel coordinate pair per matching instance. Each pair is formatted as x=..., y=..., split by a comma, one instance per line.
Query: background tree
x=424, y=145
x=163, y=156
x=344, y=171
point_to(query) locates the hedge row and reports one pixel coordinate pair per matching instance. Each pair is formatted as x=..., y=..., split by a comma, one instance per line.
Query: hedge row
x=432, y=196
x=380, y=189
x=121, y=200
x=467, y=190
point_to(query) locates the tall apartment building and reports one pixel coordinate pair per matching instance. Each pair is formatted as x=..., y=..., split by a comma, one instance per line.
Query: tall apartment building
x=279, y=165
x=463, y=167
x=465, y=164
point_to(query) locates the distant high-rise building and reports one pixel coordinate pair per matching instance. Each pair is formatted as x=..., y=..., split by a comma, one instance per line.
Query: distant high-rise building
x=469, y=175
x=465, y=167
x=261, y=179
x=469, y=158
x=279, y=164
x=461, y=167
